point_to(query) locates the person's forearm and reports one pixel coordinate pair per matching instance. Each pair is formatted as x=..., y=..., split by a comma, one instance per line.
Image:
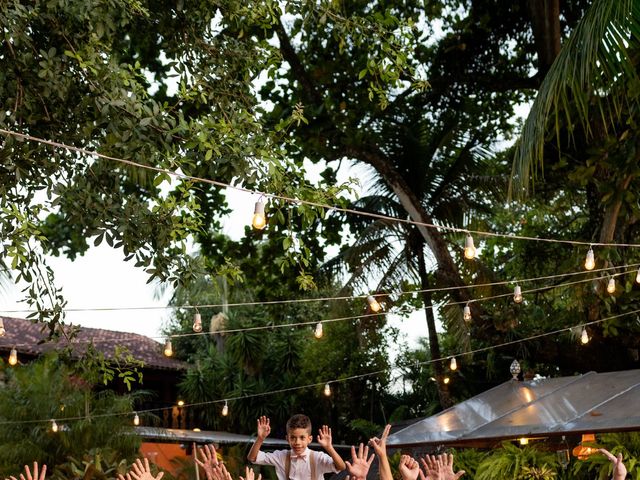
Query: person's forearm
x=255, y=448
x=385, y=468
x=337, y=459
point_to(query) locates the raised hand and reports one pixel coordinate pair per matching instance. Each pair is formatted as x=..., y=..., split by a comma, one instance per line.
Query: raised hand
x=439, y=467
x=250, y=475
x=264, y=427
x=324, y=437
x=619, y=469
x=359, y=466
x=208, y=459
x=35, y=476
x=140, y=471
x=409, y=468
x=380, y=444
x=220, y=472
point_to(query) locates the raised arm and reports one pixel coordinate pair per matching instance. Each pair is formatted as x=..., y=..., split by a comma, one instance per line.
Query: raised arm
x=409, y=468
x=207, y=458
x=380, y=447
x=325, y=440
x=264, y=429
x=619, y=469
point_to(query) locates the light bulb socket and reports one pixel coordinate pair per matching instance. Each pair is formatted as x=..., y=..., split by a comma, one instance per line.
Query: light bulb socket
x=259, y=208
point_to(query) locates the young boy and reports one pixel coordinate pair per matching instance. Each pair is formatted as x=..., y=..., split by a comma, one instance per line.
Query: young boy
x=299, y=463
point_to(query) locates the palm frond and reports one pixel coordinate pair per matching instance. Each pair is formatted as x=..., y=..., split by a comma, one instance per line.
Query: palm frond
x=589, y=77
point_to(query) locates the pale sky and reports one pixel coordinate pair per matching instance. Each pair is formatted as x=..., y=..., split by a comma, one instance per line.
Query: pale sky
x=101, y=280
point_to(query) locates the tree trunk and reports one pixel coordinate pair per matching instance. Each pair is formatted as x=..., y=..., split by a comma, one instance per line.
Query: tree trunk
x=545, y=23
x=434, y=344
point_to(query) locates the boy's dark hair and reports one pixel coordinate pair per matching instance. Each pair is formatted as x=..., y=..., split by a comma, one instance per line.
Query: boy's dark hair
x=299, y=421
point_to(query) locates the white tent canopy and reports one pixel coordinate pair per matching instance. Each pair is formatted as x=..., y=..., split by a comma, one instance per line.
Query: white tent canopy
x=589, y=403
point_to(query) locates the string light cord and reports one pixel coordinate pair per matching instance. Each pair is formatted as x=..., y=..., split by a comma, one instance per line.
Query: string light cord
x=336, y=298
x=339, y=380
x=358, y=317
x=310, y=203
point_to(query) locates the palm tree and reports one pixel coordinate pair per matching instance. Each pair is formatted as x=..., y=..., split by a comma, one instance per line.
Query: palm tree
x=442, y=164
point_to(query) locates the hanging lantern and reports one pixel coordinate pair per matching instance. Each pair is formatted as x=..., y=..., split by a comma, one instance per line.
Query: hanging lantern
x=515, y=369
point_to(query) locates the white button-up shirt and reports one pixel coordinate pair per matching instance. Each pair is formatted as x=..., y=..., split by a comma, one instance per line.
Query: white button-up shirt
x=300, y=468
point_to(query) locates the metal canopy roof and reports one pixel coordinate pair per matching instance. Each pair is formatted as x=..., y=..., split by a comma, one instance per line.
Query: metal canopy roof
x=593, y=402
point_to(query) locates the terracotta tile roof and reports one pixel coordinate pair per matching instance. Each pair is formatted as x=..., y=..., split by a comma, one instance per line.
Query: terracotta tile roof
x=24, y=335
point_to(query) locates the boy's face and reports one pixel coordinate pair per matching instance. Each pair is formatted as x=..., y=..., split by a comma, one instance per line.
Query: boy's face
x=298, y=439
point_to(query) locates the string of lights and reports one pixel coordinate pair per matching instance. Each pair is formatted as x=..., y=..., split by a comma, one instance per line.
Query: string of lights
x=517, y=296
x=259, y=211
x=398, y=293
x=328, y=383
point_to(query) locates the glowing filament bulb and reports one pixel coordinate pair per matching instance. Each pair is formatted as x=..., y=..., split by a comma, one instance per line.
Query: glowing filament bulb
x=168, y=348
x=469, y=248
x=611, y=286
x=517, y=294
x=259, y=220
x=2, y=330
x=373, y=304
x=197, y=322
x=54, y=426
x=225, y=409
x=584, y=336
x=327, y=390
x=453, y=365
x=466, y=313
x=136, y=419
x=524, y=441
x=590, y=261
x=13, y=357
x=181, y=403
x=318, y=331
x=446, y=380
x=638, y=276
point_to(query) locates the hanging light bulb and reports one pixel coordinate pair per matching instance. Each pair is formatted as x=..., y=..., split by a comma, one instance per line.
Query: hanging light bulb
x=259, y=220
x=373, y=304
x=446, y=380
x=54, y=426
x=517, y=294
x=136, y=419
x=590, y=261
x=466, y=313
x=524, y=441
x=453, y=365
x=168, y=348
x=327, y=390
x=197, y=322
x=13, y=357
x=318, y=330
x=611, y=286
x=2, y=330
x=514, y=369
x=638, y=276
x=181, y=403
x=225, y=409
x=469, y=248
x=584, y=336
